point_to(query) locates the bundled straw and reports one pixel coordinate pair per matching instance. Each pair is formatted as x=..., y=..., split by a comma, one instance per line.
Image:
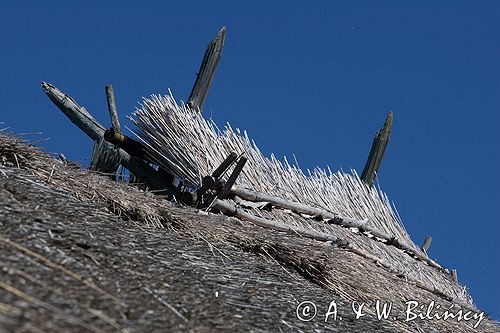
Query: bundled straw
x=181, y=141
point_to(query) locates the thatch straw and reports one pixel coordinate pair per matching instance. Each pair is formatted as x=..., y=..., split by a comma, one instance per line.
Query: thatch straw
x=183, y=142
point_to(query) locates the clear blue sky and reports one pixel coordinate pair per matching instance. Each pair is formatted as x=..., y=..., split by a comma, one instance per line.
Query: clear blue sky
x=315, y=79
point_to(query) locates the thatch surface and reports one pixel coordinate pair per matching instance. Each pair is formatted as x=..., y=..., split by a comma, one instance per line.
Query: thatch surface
x=81, y=253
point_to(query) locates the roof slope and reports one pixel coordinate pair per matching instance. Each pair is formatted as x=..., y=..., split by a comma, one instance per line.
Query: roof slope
x=81, y=253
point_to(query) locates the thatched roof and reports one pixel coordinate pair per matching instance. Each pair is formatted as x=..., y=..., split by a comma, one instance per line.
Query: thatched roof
x=79, y=252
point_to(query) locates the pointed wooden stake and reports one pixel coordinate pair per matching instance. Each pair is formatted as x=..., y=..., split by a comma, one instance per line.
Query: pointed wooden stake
x=207, y=71
x=377, y=151
x=427, y=244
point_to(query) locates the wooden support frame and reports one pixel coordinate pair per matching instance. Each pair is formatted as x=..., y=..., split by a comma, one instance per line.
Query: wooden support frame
x=93, y=129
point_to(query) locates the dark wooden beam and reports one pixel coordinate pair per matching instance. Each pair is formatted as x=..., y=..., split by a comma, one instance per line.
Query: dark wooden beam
x=377, y=151
x=207, y=71
x=232, y=178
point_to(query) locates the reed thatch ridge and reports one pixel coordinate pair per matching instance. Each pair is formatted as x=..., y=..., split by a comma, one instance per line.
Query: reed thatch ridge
x=81, y=253
x=181, y=141
x=189, y=146
x=302, y=224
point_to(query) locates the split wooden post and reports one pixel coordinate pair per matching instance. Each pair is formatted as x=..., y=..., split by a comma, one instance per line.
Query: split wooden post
x=427, y=244
x=105, y=158
x=377, y=151
x=93, y=129
x=207, y=71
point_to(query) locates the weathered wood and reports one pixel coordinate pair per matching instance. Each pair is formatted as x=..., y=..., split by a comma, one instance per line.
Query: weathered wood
x=93, y=129
x=151, y=178
x=362, y=225
x=207, y=71
x=113, y=112
x=255, y=196
x=231, y=210
x=76, y=113
x=377, y=151
x=128, y=144
x=262, y=205
x=105, y=158
x=427, y=244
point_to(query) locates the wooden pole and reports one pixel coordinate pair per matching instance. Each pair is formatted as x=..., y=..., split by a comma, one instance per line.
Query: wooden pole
x=377, y=151
x=231, y=210
x=225, y=165
x=77, y=114
x=105, y=158
x=207, y=71
x=113, y=113
x=427, y=244
x=362, y=225
x=93, y=129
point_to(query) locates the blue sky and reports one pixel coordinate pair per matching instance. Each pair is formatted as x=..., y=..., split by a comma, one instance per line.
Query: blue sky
x=314, y=79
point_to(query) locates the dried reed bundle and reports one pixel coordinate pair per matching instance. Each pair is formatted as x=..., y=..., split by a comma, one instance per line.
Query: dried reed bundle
x=181, y=141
